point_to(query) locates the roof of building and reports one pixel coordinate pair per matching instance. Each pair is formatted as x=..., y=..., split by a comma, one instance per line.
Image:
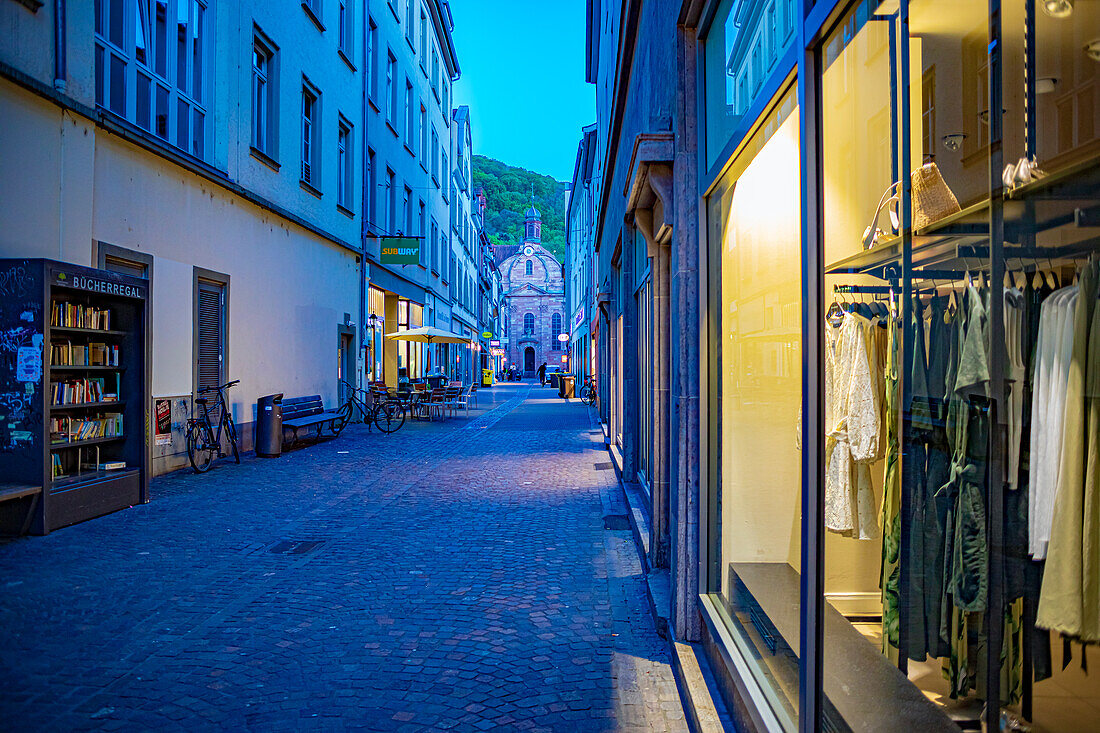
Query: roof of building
x=533, y=213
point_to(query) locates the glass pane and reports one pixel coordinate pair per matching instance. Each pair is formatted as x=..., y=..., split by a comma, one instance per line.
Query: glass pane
x=99, y=74
x=115, y=21
x=181, y=44
x=161, y=41
x=198, y=135
x=754, y=239
x=143, y=101
x=118, y=85
x=744, y=46
x=162, y=112
x=183, y=114
x=197, y=40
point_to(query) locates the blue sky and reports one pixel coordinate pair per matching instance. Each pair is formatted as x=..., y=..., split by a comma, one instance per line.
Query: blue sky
x=522, y=65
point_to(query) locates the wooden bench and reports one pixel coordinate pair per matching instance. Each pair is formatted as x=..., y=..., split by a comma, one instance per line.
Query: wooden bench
x=302, y=413
x=11, y=492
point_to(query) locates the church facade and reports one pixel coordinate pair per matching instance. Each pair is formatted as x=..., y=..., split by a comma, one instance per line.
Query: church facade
x=533, y=300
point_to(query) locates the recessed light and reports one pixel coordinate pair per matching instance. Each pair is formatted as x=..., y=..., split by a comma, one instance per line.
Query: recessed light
x=1058, y=8
x=1045, y=84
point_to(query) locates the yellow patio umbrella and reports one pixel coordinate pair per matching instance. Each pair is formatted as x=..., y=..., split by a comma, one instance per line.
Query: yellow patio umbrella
x=428, y=335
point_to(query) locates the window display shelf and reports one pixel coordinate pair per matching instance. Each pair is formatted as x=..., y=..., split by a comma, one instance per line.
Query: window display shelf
x=88, y=331
x=81, y=443
x=85, y=368
x=87, y=405
x=65, y=483
x=1066, y=201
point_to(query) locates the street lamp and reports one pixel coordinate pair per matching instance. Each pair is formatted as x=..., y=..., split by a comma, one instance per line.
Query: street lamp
x=373, y=321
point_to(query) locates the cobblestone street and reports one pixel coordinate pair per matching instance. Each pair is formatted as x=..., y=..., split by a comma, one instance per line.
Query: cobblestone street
x=453, y=575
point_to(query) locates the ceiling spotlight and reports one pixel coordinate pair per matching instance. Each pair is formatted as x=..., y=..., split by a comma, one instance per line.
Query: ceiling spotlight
x=1058, y=8
x=1045, y=84
x=1093, y=49
x=954, y=141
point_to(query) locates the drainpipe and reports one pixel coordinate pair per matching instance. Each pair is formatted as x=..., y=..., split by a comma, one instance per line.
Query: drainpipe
x=60, y=53
x=365, y=184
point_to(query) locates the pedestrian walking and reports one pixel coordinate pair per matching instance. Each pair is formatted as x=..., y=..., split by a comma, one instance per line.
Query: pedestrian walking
x=541, y=371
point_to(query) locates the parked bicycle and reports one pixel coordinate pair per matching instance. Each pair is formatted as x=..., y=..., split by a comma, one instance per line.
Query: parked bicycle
x=588, y=391
x=204, y=440
x=385, y=412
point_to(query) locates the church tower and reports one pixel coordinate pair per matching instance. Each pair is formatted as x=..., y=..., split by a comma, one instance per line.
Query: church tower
x=532, y=226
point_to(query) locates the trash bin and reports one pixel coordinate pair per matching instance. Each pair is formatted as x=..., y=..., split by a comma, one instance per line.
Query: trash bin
x=269, y=426
x=555, y=380
x=486, y=377
x=565, y=388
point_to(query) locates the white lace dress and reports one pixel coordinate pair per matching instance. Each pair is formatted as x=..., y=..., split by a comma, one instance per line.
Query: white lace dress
x=852, y=422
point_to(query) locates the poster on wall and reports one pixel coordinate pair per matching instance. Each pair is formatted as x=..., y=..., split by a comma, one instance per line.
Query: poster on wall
x=162, y=408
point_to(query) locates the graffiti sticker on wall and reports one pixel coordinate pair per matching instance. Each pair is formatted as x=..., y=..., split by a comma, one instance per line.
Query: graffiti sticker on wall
x=163, y=410
x=28, y=364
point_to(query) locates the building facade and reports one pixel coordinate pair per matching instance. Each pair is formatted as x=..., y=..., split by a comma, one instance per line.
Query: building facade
x=533, y=299
x=580, y=285
x=246, y=160
x=812, y=542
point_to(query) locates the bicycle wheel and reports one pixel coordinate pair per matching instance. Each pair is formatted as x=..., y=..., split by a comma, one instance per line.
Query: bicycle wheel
x=199, y=449
x=231, y=434
x=389, y=417
x=339, y=423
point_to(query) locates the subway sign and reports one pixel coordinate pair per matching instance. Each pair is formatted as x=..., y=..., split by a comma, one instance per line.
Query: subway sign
x=400, y=250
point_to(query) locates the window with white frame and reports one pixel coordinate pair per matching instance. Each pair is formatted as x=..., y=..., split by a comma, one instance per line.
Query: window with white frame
x=446, y=172
x=311, y=135
x=407, y=219
x=409, y=29
x=421, y=231
x=391, y=202
x=435, y=73
x=431, y=245
x=446, y=103
x=371, y=183
x=410, y=116
x=263, y=96
x=150, y=75
x=346, y=27
x=372, y=60
x=423, y=136
x=314, y=8
x=435, y=156
x=391, y=89
x=423, y=41
x=345, y=176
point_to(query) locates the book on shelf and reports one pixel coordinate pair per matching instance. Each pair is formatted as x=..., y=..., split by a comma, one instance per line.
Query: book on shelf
x=78, y=315
x=70, y=430
x=66, y=353
x=105, y=466
x=57, y=470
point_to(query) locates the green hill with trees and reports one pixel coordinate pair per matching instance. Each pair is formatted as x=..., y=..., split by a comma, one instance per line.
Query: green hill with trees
x=507, y=196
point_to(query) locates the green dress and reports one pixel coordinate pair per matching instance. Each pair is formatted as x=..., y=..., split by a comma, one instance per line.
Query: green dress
x=891, y=504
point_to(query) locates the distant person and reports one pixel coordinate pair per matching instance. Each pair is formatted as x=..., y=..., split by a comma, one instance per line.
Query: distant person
x=541, y=371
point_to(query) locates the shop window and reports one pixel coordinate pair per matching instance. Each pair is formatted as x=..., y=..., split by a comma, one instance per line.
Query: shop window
x=753, y=240
x=142, y=76
x=741, y=52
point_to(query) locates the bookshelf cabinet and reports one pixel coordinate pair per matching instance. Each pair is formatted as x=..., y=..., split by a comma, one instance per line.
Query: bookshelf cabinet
x=74, y=392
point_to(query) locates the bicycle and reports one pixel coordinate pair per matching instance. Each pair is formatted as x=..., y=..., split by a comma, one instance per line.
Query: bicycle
x=588, y=391
x=204, y=442
x=387, y=413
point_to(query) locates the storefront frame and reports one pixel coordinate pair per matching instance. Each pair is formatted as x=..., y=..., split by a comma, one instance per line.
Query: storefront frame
x=805, y=62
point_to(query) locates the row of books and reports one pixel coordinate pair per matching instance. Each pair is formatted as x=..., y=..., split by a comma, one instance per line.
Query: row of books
x=59, y=470
x=78, y=315
x=70, y=429
x=70, y=354
x=77, y=391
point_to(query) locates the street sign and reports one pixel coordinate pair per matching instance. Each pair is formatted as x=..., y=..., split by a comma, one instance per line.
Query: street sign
x=494, y=343
x=400, y=251
x=563, y=337
x=486, y=334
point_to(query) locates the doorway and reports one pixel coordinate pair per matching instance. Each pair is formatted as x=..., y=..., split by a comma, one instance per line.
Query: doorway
x=529, y=359
x=345, y=364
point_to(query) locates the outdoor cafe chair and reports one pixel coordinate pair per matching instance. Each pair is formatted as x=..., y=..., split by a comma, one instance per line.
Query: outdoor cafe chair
x=463, y=400
x=452, y=395
x=437, y=402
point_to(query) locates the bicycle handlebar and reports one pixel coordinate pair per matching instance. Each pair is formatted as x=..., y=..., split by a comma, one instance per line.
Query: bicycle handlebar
x=227, y=385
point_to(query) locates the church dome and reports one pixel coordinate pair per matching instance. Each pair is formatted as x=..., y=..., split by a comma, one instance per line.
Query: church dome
x=533, y=213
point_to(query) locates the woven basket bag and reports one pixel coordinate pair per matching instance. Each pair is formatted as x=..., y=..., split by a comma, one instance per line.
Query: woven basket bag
x=932, y=198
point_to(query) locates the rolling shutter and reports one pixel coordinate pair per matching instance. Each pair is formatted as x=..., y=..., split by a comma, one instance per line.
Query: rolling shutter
x=211, y=334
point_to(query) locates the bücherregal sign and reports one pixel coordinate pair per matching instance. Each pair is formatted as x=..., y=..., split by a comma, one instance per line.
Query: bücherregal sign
x=400, y=250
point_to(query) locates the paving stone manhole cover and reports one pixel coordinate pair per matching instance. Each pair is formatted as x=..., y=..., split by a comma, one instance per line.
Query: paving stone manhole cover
x=616, y=521
x=294, y=547
x=604, y=466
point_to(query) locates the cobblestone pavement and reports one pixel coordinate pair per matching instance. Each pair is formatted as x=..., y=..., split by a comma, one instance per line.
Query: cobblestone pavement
x=463, y=580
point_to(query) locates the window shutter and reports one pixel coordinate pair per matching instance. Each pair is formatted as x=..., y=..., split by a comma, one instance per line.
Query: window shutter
x=211, y=335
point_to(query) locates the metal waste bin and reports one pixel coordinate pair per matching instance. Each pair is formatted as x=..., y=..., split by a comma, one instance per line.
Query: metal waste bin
x=486, y=377
x=269, y=426
x=565, y=386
